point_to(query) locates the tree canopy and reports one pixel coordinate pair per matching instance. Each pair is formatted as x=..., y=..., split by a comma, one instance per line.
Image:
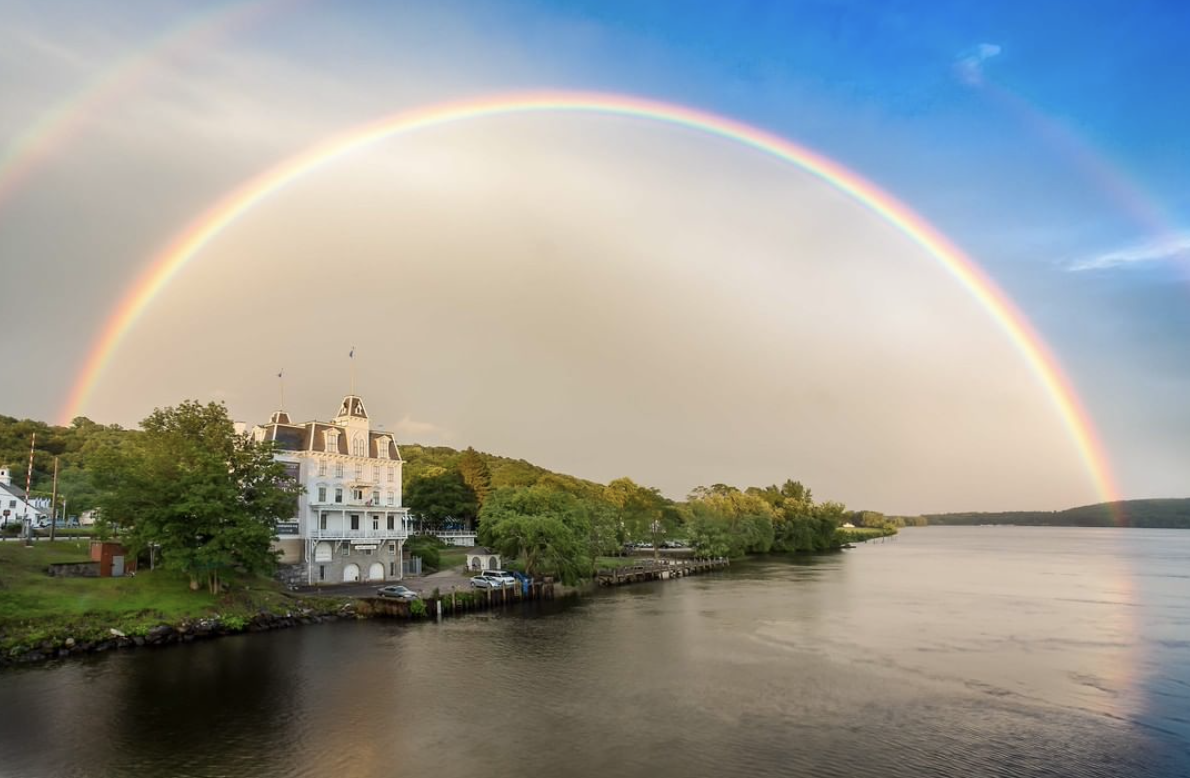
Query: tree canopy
x=209, y=498
x=440, y=495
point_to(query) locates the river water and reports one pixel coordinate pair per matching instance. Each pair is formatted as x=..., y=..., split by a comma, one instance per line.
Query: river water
x=950, y=651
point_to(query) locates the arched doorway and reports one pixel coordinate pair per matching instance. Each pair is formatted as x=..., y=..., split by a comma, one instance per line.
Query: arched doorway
x=351, y=573
x=376, y=572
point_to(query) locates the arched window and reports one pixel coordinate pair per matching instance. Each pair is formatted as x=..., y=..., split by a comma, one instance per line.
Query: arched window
x=359, y=446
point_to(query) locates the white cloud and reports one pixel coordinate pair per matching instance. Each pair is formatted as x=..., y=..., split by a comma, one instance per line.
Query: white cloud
x=969, y=66
x=1167, y=250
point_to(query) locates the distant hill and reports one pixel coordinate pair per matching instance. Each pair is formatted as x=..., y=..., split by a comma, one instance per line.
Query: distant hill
x=1163, y=513
x=504, y=471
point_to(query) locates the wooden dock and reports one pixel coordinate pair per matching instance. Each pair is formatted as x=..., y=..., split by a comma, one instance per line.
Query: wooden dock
x=659, y=570
x=457, y=602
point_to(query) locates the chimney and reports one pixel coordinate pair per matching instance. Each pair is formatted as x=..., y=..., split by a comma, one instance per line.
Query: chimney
x=5, y=476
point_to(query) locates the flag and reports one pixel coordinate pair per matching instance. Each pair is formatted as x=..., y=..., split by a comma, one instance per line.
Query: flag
x=351, y=354
x=279, y=374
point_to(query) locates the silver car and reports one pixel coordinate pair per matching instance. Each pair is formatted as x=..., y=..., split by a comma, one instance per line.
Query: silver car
x=398, y=592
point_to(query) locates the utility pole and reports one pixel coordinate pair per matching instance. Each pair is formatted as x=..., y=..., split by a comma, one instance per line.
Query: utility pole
x=28, y=486
x=54, y=503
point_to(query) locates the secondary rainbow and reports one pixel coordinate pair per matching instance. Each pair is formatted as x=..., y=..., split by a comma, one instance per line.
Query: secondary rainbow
x=187, y=245
x=54, y=129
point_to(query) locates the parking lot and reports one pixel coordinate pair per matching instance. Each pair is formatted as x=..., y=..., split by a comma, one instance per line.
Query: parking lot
x=444, y=581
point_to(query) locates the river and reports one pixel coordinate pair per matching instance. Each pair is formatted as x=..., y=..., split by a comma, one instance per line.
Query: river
x=949, y=651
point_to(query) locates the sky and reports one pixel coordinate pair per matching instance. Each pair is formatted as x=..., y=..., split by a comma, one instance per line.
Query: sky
x=609, y=296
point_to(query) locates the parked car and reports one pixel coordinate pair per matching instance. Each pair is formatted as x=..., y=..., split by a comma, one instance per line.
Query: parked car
x=501, y=577
x=398, y=592
x=483, y=582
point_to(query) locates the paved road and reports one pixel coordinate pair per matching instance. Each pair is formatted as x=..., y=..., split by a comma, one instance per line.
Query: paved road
x=425, y=584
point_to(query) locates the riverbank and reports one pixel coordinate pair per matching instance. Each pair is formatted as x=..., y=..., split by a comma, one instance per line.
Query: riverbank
x=43, y=617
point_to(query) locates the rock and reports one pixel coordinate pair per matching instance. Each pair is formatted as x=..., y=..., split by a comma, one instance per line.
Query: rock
x=116, y=633
x=160, y=633
x=138, y=640
x=69, y=643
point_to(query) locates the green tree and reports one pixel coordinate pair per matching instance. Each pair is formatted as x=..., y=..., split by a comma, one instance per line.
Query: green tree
x=209, y=498
x=547, y=529
x=439, y=495
x=641, y=512
x=709, y=536
x=475, y=474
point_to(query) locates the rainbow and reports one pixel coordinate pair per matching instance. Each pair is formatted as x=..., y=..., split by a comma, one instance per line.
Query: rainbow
x=53, y=130
x=186, y=245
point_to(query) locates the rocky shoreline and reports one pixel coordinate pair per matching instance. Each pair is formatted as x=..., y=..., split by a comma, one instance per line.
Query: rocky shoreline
x=185, y=631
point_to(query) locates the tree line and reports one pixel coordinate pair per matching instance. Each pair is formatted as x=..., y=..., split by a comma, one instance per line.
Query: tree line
x=562, y=525
x=208, y=500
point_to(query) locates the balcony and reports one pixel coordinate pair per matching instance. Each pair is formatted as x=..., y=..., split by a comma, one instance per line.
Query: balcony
x=366, y=503
x=397, y=533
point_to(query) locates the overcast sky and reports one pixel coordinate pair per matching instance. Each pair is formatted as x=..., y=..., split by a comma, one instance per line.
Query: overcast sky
x=607, y=296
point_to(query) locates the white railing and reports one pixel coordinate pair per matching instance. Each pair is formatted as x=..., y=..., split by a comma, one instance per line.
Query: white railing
x=359, y=534
x=462, y=539
x=346, y=502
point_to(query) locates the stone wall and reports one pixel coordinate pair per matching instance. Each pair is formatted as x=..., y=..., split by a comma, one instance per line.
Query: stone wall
x=74, y=570
x=292, y=575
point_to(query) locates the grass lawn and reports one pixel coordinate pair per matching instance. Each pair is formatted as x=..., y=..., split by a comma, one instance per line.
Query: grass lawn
x=451, y=557
x=860, y=534
x=32, y=604
x=612, y=562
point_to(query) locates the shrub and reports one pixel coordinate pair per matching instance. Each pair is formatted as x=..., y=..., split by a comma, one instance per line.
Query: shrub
x=417, y=608
x=235, y=623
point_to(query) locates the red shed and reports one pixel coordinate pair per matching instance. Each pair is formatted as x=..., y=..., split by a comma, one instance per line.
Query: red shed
x=113, y=559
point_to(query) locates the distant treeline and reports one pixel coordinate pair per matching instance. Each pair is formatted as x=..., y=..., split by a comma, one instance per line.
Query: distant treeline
x=1165, y=513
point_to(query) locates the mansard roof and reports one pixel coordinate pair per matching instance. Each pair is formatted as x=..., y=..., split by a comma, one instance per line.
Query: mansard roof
x=353, y=407
x=310, y=436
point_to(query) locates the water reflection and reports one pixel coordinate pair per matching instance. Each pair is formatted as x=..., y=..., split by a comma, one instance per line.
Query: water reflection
x=951, y=651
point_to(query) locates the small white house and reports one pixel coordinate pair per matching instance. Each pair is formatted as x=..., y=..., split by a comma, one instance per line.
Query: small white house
x=13, y=506
x=480, y=558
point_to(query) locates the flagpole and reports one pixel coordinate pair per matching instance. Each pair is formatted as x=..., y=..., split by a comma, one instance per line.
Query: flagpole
x=54, y=504
x=28, y=486
x=281, y=377
x=351, y=357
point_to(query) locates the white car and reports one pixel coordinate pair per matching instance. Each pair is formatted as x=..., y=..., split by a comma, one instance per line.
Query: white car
x=499, y=576
x=483, y=582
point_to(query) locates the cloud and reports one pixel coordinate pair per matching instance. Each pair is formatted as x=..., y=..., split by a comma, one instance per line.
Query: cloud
x=1167, y=250
x=411, y=430
x=969, y=66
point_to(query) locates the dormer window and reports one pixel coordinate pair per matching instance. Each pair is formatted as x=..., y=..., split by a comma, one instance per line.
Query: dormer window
x=382, y=448
x=359, y=446
x=332, y=441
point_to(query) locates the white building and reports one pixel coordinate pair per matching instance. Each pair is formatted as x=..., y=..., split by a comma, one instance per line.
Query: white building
x=13, y=507
x=349, y=524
